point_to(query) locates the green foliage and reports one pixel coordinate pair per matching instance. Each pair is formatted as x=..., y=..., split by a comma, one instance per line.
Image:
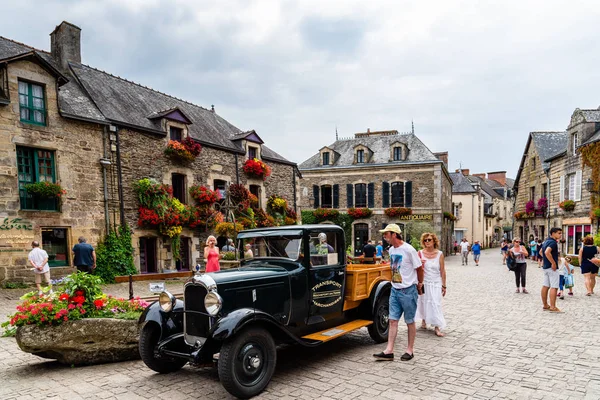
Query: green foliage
x=114, y=256
x=82, y=281
x=15, y=285
x=414, y=230
x=151, y=194
x=574, y=261
x=129, y=315
x=414, y=242
x=597, y=239
x=228, y=256
x=9, y=331
x=308, y=218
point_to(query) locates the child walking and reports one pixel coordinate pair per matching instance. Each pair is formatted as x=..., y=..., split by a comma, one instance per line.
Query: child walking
x=565, y=270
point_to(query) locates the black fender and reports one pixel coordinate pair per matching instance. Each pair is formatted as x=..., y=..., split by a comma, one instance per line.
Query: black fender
x=381, y=289
x=237, y=320
x=170, y=323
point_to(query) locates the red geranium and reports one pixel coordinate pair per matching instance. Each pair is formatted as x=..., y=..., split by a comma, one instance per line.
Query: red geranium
x=357, y=213
x=257, y=169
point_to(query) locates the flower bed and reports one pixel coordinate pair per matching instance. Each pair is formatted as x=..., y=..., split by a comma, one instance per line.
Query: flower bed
x=255, y=168
x=187, y=150
x=397, y=211
x=45, y=190
x=358, y=213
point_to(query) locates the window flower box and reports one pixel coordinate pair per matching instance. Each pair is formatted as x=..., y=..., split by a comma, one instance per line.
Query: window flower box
x=187, y=150
x=397, y=211
x=45, y=190
x=567, y=205
x=255, y=168
x=358, y=213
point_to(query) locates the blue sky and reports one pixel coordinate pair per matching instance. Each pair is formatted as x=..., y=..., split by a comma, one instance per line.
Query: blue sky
x=474, y=78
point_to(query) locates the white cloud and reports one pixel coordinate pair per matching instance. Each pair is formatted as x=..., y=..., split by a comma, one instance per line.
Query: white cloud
x=476, y=78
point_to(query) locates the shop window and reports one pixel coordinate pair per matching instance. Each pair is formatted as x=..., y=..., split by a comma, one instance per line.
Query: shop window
x=573, y=234
x=175, y=134
x=54, y=241
x=35, y=165
x=32, y=103
x=178, y=184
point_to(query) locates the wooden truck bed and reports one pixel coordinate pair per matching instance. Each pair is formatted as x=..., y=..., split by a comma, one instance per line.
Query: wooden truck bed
x=360, y=279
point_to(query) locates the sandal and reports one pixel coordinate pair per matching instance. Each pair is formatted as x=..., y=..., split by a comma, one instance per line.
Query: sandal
x=555, y=310
x=546, y=308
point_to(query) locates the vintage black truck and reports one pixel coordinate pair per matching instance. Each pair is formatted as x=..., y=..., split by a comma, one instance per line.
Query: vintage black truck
x=296, y=288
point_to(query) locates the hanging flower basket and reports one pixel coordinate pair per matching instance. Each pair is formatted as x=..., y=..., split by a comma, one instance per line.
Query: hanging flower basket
x=397, y=211
x=204, y=195
x=567, y=205
x=187, y=150
x=45, y=190
x=529, y=207
x=448, y=215
x=255, y=168
x=358, y=213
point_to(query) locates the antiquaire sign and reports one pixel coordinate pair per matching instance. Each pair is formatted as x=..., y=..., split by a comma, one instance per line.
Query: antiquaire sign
x=417, y=217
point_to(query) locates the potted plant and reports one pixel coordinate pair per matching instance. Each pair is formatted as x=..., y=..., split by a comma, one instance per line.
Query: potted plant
x=255, y=168
x=567, y=205
x=358, y=213
x=397, y=211
x=45, y=190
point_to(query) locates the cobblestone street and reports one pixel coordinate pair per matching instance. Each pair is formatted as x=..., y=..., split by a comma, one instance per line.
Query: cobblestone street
x=499, y=344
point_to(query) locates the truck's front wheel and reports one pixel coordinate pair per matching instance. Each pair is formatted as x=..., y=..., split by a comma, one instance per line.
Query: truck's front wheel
x=379, y=329
x=149, y=337
x=247, y=362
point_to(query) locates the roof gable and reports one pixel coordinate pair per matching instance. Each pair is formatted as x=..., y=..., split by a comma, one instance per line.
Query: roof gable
x=174, y=114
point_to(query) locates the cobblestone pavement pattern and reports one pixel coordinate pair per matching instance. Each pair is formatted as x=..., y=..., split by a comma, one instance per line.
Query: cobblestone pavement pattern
x=499, y=344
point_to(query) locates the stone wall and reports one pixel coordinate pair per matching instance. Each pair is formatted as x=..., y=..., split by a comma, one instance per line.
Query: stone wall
x=77, y=147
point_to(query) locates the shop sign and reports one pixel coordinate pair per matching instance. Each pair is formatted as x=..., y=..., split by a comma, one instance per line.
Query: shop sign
x=417, y=217
x=16, y=235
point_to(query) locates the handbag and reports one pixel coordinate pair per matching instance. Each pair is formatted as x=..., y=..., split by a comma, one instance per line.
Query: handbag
x=569, y=281
x=510, y=263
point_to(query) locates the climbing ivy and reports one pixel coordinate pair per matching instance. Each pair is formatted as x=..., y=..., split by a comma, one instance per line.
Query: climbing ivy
x=590, y=157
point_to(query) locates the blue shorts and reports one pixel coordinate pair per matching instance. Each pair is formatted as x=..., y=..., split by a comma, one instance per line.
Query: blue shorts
x=404, y=301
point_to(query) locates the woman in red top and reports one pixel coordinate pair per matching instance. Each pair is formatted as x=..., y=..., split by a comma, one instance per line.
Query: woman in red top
x=211, y=255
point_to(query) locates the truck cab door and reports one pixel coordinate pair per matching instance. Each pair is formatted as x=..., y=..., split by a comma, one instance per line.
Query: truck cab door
x=327, y=275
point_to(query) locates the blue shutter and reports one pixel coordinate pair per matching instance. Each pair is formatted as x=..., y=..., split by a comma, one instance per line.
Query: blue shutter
x=371, y=195
x=349, y=195
x=385, y=192
x=336, y=196
x=408, y=194
x=316, y=195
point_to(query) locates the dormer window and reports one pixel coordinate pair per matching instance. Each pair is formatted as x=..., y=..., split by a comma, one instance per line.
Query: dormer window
x=326, y=158
x=175, y=134
x=252, y=152
x=360, y=156
x=397, y=153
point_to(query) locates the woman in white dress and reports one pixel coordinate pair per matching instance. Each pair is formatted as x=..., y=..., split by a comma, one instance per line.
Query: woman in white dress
x=429, y=307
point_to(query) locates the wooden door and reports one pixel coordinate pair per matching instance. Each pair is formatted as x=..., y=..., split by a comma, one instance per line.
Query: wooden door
x=147, y=255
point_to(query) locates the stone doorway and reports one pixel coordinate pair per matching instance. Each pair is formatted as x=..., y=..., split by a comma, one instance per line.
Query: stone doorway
x=147, y=255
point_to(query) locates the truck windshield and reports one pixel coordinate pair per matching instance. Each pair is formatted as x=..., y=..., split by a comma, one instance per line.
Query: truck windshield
x=274, y=246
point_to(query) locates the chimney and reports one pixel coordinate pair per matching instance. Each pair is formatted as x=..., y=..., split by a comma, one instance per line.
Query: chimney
x=482, y=176
x=465, y=172
x=443, y=156
x=498, y=176
x=65, y=44
x=212, y=108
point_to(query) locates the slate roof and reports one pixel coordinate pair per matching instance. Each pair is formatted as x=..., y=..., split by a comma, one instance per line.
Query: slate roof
x=460, y=183
x=594, y=138
x=591, y=115
x=549, y=144
x=379, y=145
x=484, y=186
x=97, y=96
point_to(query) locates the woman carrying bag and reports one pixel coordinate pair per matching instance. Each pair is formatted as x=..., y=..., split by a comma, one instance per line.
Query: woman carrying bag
x=519, y=254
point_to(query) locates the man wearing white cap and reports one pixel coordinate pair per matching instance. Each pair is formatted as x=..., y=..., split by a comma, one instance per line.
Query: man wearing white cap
x=407, y=282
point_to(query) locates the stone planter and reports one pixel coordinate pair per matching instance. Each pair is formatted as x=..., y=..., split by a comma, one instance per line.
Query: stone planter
x=225, y=264
x=87, y=341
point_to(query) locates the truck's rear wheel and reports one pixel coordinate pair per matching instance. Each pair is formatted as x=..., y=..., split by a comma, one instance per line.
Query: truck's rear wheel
x=379, y=329
x=247, y=362
x=149, y=337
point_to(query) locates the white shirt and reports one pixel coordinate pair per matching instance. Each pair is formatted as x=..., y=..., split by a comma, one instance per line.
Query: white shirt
x=464, y=246
x=406, y=260
x=38, y=256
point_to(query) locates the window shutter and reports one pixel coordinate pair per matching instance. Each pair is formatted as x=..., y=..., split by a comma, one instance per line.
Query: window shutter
x=316, y=195
x=371, y=195
x=336, y=196
x=349, y=195
x=561, y=194
x=578, y=185
x=385, y=192
x=408, y=194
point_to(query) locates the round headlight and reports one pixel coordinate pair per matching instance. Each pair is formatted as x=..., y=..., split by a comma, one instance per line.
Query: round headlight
x=213, y=303
x=166, y=301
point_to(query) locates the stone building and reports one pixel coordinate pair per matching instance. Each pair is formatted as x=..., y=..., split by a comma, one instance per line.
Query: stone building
x=482, y=206
x=96, y=134
x=552, y=168
x=380, y=170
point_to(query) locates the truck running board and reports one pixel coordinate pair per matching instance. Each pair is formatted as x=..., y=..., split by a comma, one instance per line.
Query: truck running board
x=332, y=333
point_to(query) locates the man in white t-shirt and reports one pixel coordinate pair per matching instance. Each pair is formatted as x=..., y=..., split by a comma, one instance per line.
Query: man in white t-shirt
x=407, y=283
x=464, y=251
x=39, y=260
